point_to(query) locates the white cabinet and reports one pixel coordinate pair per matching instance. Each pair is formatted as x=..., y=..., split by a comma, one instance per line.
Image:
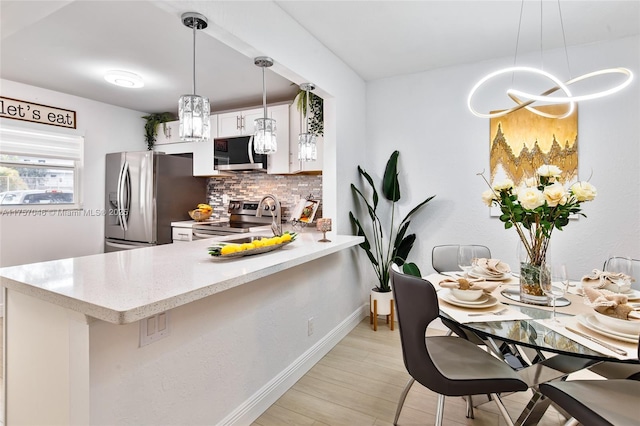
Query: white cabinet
x=238, y=123
x=278, y=163
x=296, y=125
x=172, y=133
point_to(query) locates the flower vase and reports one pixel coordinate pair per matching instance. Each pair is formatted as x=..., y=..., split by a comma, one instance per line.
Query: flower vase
x=530, y=289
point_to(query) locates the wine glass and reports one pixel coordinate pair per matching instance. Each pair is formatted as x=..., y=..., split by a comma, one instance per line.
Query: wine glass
x=554, y=282
x=622, y=265
x=466, y=255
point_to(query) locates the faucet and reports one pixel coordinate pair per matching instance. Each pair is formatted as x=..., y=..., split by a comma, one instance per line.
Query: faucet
x=275, y=210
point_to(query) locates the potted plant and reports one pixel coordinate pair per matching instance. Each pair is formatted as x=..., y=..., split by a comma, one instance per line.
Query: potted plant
x=393, y=245
x=151, y=126
x=316, y=111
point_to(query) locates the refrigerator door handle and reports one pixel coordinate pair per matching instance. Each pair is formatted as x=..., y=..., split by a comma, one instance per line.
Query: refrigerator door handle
x=250, y=149
x=123, y=195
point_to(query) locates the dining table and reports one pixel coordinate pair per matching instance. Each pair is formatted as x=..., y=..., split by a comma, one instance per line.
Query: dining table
x=525, y=336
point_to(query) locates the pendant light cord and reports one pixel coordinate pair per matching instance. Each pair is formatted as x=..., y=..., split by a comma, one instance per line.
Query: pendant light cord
x=194, y=56
x=264, y=93
x=564, y=40
x=515, y=55
x=306, y=115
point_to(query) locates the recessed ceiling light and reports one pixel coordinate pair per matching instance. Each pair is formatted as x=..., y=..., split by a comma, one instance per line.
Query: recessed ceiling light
x=124, y=79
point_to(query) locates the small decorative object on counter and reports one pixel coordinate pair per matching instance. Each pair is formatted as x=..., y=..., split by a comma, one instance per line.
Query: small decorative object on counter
x=324, y=225
x=202, y=213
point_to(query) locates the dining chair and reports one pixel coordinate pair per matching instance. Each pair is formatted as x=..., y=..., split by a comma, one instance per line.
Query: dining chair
x=597, y=402
x=447, y=365
x=635, y=271
x=444, y=257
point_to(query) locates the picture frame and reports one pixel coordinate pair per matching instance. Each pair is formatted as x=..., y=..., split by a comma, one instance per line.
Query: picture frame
x=305, y=211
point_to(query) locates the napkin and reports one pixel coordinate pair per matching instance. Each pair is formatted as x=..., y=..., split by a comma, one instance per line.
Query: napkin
x=490, y=267
x=608, y=303
x=603, y=279
x=471, y=284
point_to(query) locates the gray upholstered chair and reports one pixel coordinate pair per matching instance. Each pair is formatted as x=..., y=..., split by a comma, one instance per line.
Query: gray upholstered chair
x=447, y=365
x=444, y=258
x=597, y=402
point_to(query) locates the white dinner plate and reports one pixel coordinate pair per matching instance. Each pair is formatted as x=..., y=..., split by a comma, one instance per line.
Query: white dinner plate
x=503, y=277
x=446, y=295
x=592, y=324
x=632, y=294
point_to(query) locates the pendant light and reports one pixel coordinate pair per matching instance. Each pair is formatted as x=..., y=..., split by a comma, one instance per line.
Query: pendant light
x=194, y=110
x=525, y=99
x=264, y=140
x=307, y=150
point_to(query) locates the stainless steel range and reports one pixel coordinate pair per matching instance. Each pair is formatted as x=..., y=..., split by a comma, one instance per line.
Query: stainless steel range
x=243, y=217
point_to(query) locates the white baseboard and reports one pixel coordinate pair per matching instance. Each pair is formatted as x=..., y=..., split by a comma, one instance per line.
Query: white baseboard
x=260, y=401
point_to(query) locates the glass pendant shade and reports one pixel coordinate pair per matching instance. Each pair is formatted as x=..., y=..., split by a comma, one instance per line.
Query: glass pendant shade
x=194, y=112
x=307, y=147
x=264, y=140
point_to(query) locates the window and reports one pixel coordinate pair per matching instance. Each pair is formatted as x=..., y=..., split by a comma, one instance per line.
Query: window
x=39, y=168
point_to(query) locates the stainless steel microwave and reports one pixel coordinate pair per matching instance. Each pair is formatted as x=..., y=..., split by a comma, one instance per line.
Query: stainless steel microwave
x=237, y=153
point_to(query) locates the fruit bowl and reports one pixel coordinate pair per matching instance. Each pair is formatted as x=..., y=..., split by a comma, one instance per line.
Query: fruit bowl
x=200, y=215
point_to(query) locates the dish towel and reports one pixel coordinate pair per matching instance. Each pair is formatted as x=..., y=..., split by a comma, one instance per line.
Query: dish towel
x=602, y=279
x=607, y=303
x=490, y=267
x=469, y=284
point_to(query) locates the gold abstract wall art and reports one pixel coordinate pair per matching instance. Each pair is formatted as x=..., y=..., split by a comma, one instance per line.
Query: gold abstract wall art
x=523, y=141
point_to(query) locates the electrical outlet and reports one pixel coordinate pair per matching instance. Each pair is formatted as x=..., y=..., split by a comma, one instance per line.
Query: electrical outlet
x=154, y=328
x=310, y=326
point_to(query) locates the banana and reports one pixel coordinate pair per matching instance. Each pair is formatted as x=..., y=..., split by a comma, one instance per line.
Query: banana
x=205, y=207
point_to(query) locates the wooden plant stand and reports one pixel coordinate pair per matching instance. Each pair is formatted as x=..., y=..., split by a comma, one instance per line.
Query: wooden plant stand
x=373, y=316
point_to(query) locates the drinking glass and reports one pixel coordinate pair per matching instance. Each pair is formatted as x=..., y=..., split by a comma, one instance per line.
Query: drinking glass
x=466, y=254
x=620, y=264
x=554, y=282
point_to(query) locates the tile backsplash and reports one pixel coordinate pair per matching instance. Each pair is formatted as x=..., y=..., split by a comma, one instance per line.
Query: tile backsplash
x=252, y=186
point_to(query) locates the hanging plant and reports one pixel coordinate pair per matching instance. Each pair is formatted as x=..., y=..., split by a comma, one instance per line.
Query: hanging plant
x=151, y=126
x=316, y=113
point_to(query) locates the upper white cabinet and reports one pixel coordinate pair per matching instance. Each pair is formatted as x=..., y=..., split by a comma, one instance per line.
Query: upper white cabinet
x=238, y=123
x=172, y=132
x=296, y=125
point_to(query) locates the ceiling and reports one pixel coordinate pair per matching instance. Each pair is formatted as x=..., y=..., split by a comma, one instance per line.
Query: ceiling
x=67, y=46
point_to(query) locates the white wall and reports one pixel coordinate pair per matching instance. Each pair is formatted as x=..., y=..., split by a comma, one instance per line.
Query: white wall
x=106, y=128
x=443, y=146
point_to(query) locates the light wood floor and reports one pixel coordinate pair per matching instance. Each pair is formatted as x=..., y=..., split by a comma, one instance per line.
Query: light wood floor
x=359, y=383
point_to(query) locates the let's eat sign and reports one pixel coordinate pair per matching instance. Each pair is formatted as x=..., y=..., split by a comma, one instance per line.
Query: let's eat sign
x=37, y=113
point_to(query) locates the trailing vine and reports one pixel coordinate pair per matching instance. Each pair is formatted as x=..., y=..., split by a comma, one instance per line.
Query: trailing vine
x=151, y=126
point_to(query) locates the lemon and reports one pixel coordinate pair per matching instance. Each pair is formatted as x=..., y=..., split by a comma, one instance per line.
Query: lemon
x=228, y=250
x=248, y=246
x=286, y=237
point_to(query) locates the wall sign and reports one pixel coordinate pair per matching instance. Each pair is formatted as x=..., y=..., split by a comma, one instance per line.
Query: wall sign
x=37, y=113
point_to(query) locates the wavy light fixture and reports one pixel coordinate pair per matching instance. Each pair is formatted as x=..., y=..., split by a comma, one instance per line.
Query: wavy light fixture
x=307, y=146
x=264, y=140
x=194, y=110
x=530, y=98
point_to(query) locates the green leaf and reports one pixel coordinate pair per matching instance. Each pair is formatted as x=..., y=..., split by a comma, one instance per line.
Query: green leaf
x=411, y=269
x=374, y=195
x=402, y=250
x=390, y=184
x=416, y=208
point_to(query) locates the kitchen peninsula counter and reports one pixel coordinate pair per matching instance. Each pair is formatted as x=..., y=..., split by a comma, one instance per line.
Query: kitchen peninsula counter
x=238, y=332
x=126, y=286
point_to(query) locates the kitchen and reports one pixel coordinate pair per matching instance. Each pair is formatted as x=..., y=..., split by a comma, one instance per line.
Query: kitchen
x=348, y=100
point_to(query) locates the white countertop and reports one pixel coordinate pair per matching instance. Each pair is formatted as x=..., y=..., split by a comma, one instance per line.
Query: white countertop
x=126, y=286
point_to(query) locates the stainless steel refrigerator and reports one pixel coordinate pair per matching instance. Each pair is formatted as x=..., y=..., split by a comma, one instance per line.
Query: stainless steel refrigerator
x=145, y=192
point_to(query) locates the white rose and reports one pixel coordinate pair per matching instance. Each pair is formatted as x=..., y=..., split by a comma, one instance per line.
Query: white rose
x=531, y=181
x=530, y=198
x=488, y=196
x=584, y=191
x=503, y=185
x=555, y=194
x=549, y=171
